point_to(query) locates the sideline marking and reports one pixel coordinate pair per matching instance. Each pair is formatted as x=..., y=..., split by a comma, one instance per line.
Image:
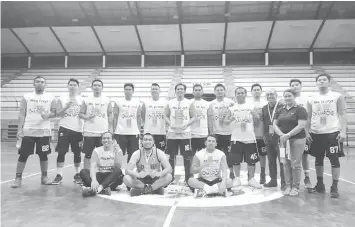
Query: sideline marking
x=35, y=174
x=342, y=179
x=173, y=208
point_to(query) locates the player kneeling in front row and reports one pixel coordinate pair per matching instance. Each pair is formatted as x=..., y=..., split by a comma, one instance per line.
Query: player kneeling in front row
x=149, y=177
x=211, y=166
x=105, y=173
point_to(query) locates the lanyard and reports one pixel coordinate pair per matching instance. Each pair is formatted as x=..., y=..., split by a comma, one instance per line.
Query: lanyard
x=147, y=156
x=273, y=113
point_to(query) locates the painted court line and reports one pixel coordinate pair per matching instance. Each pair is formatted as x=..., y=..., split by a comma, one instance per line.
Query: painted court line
x=342, y=179
x=35, y=174
x=173, y=208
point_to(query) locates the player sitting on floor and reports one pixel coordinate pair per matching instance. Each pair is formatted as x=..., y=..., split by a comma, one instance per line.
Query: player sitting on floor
x=149, y=177
x=105, y=173
x=211, y=166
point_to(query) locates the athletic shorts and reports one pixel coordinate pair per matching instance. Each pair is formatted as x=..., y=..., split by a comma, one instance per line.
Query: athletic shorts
x=68, y=137
x=326, y=145
x=128, y=143
x=244, y=152
x=210, y=183
x=173, y=146
x=29, y=142
x=307, y=147
x=160, y=141
x=223, y=143
x=262, y=150
x=90, y=143
x=148, y=179
x=197, y=144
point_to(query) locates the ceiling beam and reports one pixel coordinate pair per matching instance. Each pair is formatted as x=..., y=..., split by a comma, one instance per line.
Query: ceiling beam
x=20, y=40
x=179, y=9
x=58, y=40
x=226, y=19
x=136, y=28
x=321, y=26
x=316, y=16
x=272, y=15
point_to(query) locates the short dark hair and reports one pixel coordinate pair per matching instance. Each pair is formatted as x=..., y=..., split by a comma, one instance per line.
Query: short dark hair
x=219, y=85
x=196, y=85
x=39, y=77
x=155, y=84
x=213, y=136
x=102, y=135
x=235, y=91
x=148, y=134
x=290, y=90
x=256, y=85
x=295, y=80
x=180, y=84
x=97, y=80
x=323, y=74
x=128, y=85
x=73, y=80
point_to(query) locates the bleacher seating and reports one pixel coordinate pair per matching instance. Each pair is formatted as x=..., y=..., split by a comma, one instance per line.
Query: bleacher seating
x=207, y=77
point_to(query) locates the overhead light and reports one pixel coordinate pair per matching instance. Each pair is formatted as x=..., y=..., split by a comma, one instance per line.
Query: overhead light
x=32, y=33
x=158, y=30
x=75, y=20
x=123, y=18
x=176, y=17
x=296, y=25
x=227, y=14
x=115, y=30
x=249, y=27
x=203, y=29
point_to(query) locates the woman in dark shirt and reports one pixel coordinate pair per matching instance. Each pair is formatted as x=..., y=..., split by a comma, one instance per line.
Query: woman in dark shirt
x=289, y=124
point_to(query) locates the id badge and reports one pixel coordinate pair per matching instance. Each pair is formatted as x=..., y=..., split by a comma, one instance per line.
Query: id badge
x=243, y=126
x=129, y=122
x=323, y=120
x=271, y=129
x=179, y=117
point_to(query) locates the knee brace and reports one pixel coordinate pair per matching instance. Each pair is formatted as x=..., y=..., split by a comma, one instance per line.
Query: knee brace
x=77, y=158
x=334, y=161
x=43, y=157
x=87, y=156
x=61, y=157
x=319, y=161
x=23, y=158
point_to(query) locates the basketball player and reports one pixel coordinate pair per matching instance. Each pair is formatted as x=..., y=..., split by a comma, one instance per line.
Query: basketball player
x=149, y=161
x=35, y=129
x=327, y=124
x=153, y=112
x=256, y=91
x=302, y=101
x=242, y=120
x=105, y=172
x=179, y=115
x=199, y=129
x=129, y=121
x=211, y=166
x=97, y=114
x=216, y=114
x=70, y=130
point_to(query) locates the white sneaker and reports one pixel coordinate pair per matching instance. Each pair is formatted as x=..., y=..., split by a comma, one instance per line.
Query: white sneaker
x=236, y=182
x=253, y=183
x=199, y=193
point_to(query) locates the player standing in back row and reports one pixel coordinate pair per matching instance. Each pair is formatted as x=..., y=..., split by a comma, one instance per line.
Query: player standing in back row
x=327, y=127
x=35, y=129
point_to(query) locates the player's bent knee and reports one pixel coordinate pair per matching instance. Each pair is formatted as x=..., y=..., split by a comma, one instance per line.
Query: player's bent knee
x=127, y=180
x=319, y=162
x=229, y=183
x=77, y=157
x=23, y=158
x=168, y=178
x=334, y=161
x=43, y=157
x=61, y=157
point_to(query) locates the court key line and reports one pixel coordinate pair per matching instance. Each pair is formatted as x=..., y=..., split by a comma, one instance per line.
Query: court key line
x=35, y=174
x=342, y=179
x=168, y=219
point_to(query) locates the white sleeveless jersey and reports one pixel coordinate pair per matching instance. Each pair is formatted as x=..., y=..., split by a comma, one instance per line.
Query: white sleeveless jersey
x=302, y=101
x=71, y=119
x=106, y=159
x=213, y=171
x=97, y=106
x=179, y=114
x=154, y=117
x=258, y=108
x=200, y=127
x=325, y=117
x=243, y=125
x=35, y=125
x=153, y=162
x=127, y=117
x=219, y=112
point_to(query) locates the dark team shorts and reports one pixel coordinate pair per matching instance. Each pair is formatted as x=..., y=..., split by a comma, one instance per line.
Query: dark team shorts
x=326, y=145
x=246, y=152
x=173, y=146
x=210, y=183
x=148, y=179
x=223, y=143
x=262, y=149
x=197, y=144
x=128, y=143
x=90, y=143
x=160, y=141
x=307, y=148
x=29, y=142
x=68, y=137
